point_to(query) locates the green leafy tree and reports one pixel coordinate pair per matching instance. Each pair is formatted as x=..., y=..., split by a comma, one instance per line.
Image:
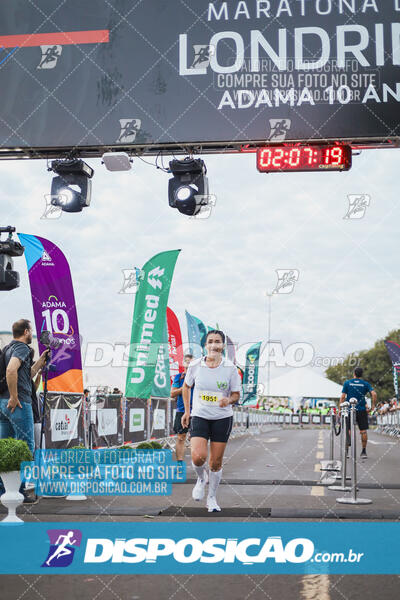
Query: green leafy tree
x=376, y=364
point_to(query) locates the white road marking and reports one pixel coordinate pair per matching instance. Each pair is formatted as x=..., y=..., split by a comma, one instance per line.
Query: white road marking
x=382, y=443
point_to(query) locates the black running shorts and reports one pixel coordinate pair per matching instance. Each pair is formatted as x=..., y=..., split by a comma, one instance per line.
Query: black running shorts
x=178, y=423
x=215, y=430
x=361, y=420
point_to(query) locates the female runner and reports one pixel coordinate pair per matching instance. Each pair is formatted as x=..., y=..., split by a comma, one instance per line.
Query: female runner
x=216, y=387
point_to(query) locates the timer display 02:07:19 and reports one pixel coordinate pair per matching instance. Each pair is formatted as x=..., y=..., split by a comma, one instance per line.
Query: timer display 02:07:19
x=278, y=159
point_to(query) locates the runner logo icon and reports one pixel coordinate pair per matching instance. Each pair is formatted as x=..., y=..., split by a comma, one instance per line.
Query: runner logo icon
x=129, y=129
x=50, y=56
x=62, y=547
x=358, y=204
x=286, y=281
x=202, y=55
x=279, y=129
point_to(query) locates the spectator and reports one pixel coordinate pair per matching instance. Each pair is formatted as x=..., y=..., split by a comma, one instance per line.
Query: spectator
x=16, y=416
x=37, y=422
x=176, y=393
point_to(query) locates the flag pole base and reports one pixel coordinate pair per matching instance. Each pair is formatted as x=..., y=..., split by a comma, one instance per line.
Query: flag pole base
x=354, y=500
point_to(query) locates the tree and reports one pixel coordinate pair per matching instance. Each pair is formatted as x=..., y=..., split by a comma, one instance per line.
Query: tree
x=376, y=364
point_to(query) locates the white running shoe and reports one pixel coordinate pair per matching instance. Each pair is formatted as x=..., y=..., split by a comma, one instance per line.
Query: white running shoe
x=212, y=504
x=198, y=490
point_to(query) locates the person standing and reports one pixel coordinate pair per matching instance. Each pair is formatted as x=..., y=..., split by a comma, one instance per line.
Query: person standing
x=36, y=404
x=217, y=387
x=176, y=393
x=16, y=416
x=357, y=388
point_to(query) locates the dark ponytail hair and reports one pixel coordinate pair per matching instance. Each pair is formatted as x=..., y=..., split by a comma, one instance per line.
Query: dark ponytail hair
x=216, y=331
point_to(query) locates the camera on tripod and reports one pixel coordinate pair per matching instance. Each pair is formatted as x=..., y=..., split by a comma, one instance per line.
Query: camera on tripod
x=9, y=249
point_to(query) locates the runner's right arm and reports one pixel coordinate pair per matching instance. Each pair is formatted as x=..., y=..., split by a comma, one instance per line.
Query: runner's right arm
x=186, y=402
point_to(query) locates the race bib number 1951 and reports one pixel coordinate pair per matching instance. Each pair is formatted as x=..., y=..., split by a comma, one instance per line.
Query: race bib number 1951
x=210, y=397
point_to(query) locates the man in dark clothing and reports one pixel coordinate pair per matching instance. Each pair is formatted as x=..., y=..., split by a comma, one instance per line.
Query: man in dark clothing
x=16, y=417
x=176, y=393
x=357, y=388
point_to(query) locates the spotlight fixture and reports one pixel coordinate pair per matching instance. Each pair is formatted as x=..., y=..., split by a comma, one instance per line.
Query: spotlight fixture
x=71, y=189
x=9, y=248
x=188, y=188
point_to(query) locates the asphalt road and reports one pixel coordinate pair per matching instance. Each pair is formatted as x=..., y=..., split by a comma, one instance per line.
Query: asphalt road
x=272, y=475
x=275, y=474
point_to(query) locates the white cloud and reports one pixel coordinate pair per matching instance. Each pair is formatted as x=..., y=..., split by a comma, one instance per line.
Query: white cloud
x=347, y=293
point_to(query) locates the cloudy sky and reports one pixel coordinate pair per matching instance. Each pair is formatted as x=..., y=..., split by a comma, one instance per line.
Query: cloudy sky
x=348, y=288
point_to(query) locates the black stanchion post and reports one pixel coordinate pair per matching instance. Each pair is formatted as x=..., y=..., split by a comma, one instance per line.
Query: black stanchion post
x=92, y=419
x=353, y=498
x=331, y=464
x=332, y=434
x=46, y=369
x=344, y=414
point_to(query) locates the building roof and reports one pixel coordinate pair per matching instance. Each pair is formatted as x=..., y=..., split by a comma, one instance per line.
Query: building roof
x=303, y=382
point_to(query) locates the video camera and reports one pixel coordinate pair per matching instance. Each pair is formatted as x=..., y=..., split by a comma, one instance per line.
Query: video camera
x=9, y=248
x=48, y=340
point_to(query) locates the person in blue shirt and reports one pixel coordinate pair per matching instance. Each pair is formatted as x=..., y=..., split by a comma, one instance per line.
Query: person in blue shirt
x=357, y=388
x=176, y=393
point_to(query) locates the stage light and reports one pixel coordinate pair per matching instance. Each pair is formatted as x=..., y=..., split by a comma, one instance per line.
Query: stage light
x=71, y=189
x=183, y=193
x=9, y=248
x=188, y=188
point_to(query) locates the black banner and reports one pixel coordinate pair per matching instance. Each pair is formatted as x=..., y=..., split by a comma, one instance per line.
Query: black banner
x=63, y=427
x=135, y=423
x=160, y=73
x=159, y=418
x=107, y=430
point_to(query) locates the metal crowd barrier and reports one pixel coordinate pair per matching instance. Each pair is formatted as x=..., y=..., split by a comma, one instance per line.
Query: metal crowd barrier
x=389, y=423
x=348, y=411
x=109, y=420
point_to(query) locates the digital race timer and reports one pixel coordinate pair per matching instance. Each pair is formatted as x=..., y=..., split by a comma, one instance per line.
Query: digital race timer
x=278, y=159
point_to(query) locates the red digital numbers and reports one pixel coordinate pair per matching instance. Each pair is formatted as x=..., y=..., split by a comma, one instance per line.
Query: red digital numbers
x=294, y=157
x=275, y=159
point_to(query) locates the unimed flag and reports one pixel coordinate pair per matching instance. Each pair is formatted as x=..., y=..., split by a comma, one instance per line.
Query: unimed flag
x=54, y=310
x=148, y=327
x=250, y=377
x=161, y=383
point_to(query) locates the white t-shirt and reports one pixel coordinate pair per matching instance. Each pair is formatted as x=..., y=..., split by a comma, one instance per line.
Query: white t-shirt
x=210, y=385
